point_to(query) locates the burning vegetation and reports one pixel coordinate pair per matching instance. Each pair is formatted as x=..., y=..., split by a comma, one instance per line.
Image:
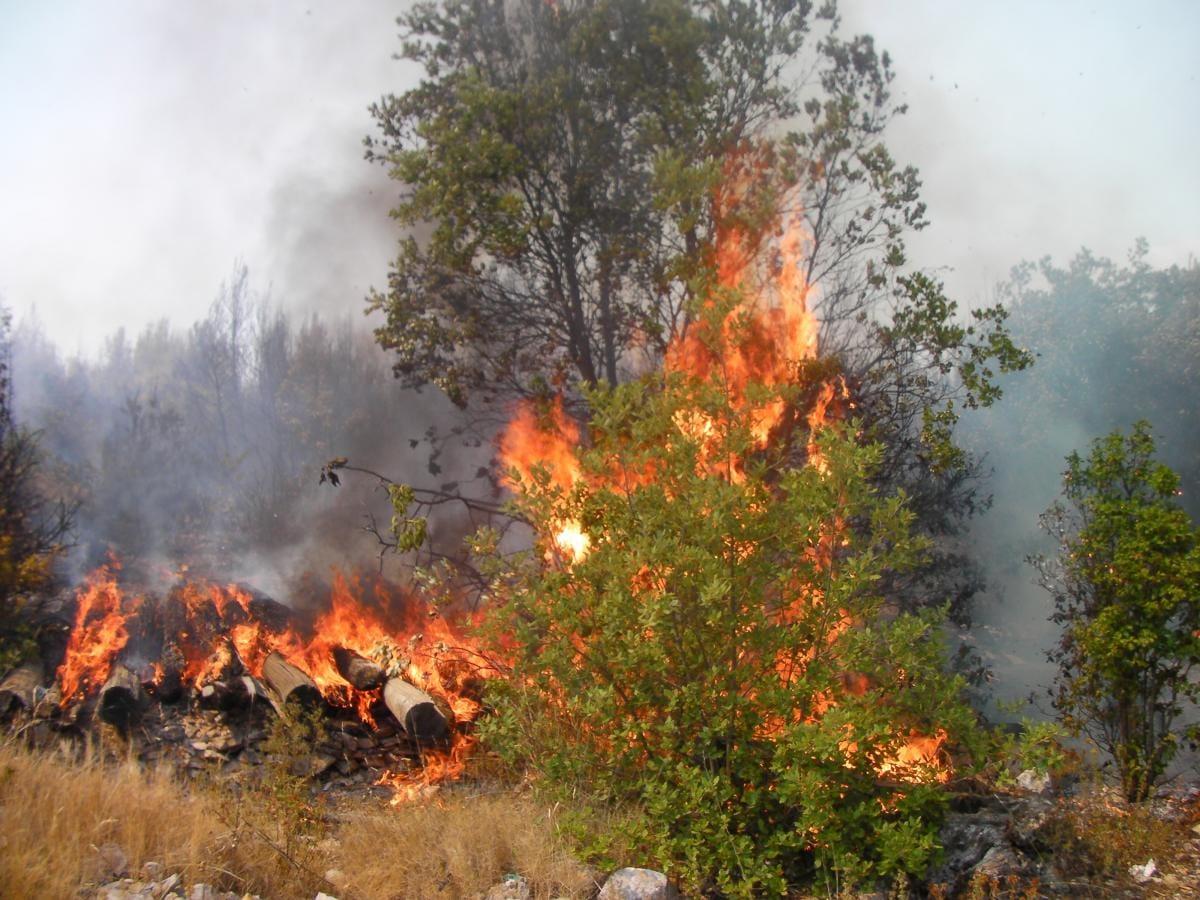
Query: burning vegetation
x=369, y=651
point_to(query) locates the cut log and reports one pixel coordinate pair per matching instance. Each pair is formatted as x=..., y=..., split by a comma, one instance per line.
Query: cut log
x=289, y=684
x=362, y=673
x=164, y=681
x=122, y=699
x=223, y=664
x=416, y=711
x=240, y=693
x=18, y=686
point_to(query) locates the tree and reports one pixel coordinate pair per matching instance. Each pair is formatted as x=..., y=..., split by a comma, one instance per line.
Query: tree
x=565, y=169
x=1126, y=588
x=33, y=530
x=713, y=647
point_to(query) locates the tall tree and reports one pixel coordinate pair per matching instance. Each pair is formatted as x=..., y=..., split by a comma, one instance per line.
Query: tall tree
x=564, y=167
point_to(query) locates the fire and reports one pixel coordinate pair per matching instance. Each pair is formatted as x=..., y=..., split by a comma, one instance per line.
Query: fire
x=219, y=631
x=99, y=635
x=767, y=337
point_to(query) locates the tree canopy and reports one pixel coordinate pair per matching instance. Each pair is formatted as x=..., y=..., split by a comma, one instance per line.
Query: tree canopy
x=563, y=170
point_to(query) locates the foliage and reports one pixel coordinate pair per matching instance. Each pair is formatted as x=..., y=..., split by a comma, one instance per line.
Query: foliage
x=33, y=530
x=562, y=167
x=1095, y=833
x=722, y=656
x=1126, y=588
x=1127, y=335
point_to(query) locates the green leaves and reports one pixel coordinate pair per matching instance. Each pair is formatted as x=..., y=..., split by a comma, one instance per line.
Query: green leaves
x=718, y=659
x=1126, y=585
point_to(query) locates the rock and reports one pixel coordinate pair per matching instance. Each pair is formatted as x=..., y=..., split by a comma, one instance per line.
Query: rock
x=164, y=887
x=204, y=892
x=1031, y=781
x=312, y=765
x=967, y=837
x=1031, y=821
x=321, y=895
x=1143, y=873
x=113, y=861
x=513, y=887
x=637, y=884
x=1000, y=863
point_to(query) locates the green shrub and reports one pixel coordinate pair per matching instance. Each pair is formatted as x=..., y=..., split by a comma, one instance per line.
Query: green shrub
x=721, y=658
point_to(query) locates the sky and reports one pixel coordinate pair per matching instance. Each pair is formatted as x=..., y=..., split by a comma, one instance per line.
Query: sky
x=148, y=146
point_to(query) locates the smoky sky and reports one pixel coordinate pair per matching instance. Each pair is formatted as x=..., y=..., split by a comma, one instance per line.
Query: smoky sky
x=149, y=145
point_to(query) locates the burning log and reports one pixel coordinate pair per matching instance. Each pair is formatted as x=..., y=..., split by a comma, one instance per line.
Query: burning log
x=362, y=673
x=164, y=681
x=416, y=711
x=289, y=683
x=122, y=699
x=18, y=686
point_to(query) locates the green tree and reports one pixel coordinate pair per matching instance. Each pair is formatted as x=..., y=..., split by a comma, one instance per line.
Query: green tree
x=33, y=530
x=562, y=167
x=1126, y=588
x=721, y=657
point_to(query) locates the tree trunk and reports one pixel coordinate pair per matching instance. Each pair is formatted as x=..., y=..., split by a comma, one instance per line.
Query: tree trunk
x=18, y=686
x=416, y=711
x=362, y=673
x=290, y=684
x=122, y=699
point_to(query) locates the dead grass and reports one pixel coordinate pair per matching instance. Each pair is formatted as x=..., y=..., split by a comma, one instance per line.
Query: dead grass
x=458, y=846
x=57, y=813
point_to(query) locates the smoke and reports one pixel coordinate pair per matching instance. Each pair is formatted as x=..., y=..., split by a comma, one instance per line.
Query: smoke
x=202, y=446
x=1114, y=344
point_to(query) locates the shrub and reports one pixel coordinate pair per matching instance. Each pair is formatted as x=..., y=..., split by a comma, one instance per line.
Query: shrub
x=721, y=657
x=1126, y=587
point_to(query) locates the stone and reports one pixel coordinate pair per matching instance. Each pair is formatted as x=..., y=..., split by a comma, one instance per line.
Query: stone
x=637, y=884
x=1031, y=781
x=967, y=838
x=113, y=861
x=1030, y=825
x=513, y=887
x=1143, y=873
x=999, y=863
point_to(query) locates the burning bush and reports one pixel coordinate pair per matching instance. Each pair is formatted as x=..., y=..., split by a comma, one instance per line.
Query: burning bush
x=698, y=631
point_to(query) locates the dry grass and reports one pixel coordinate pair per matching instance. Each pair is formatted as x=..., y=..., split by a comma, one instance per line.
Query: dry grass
x=56, y=813
x=457, y=847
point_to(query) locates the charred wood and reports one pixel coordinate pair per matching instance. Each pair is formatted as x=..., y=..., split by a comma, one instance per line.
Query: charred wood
x=289, y=683
x=416, y=711
x=362, y=673
x=122, y=699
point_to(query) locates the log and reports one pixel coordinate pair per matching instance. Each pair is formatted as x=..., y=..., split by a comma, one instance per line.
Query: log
x=18, y=686
x=122, y=699
x=240, y=693
x=416, y=711
x=164, y=682
x=364, y=674
x=289, y=684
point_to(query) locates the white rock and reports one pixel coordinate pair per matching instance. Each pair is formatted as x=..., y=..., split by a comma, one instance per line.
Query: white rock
x=1031, y=781
x=1142, y=874
x=637, y=884
x=321, y=895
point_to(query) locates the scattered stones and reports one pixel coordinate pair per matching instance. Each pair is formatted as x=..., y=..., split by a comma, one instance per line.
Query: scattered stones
x=637, y=884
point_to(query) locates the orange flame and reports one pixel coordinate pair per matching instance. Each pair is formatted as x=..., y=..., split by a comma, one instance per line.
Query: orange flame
x=99, y=634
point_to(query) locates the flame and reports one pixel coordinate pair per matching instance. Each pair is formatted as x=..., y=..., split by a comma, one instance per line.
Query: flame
x=217, y=634
x=767, y=337
x=99, y=634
